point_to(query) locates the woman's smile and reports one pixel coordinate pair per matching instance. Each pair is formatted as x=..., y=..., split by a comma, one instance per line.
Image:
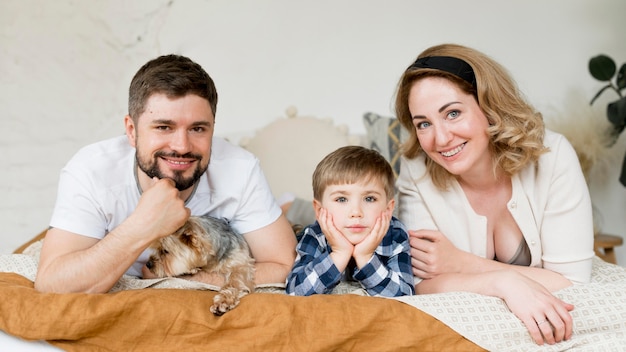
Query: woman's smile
x=454, y=151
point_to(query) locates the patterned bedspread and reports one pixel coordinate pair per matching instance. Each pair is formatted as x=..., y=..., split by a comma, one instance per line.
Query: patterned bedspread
x=599, y=315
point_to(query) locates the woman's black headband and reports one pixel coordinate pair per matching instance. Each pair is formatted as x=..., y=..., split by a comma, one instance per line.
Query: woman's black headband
x=448, y=64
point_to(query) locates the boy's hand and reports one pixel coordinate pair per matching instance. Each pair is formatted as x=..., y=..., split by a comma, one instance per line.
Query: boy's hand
x=364, y=251
x=342, y=248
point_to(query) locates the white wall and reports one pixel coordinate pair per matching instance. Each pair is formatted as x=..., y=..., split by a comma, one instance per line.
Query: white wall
x=65, y=67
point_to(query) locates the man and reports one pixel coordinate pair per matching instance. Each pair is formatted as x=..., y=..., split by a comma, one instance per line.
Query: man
x=117, y=196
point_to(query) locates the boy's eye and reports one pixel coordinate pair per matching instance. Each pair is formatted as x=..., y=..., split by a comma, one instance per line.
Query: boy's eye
x=341, y=199
x=370, y=199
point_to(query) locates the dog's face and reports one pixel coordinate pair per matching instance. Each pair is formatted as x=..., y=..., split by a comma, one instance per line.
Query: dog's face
x=183, y=252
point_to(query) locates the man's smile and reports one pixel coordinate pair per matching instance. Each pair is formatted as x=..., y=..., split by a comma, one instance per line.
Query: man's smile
x=179, y=164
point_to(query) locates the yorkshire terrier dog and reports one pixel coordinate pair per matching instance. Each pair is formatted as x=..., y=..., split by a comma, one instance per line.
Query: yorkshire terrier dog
x=207, y=244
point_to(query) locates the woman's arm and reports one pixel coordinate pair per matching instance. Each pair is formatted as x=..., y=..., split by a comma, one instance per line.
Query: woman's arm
x=531, y=302
x=525, y=290
x=432, y=254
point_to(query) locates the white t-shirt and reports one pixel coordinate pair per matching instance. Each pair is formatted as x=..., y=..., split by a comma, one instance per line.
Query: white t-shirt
x=98, y=190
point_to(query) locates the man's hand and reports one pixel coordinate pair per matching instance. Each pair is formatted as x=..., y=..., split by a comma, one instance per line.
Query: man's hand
x=160, y=210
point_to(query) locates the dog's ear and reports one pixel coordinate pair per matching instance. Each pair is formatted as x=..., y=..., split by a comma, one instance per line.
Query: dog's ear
x=190, y=232
x=189, y=239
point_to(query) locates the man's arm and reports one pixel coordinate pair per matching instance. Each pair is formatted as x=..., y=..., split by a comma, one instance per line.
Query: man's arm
x=74, y=263
x=273, y=248
x=71, y=262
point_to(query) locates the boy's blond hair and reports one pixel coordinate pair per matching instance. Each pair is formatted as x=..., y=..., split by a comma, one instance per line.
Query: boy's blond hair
x=352, y=164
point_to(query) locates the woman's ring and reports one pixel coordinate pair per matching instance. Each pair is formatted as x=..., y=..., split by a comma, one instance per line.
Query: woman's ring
x=541, y=322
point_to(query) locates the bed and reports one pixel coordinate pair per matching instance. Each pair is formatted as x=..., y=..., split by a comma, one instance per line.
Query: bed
x=173, y=314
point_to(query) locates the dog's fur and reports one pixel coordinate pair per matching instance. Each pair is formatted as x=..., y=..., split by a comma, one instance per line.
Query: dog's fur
x=208, y=244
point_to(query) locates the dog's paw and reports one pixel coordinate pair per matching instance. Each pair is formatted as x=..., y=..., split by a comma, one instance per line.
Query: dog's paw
x=223, y=303
x=225, y=300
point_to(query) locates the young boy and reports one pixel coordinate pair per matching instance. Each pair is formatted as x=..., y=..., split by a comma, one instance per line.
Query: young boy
x=355, y=235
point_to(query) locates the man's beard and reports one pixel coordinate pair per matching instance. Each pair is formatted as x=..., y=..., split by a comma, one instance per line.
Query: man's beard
x=151, y=168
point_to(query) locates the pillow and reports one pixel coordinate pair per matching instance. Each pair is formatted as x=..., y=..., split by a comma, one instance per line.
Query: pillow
x=281, y=145
x=385, y=135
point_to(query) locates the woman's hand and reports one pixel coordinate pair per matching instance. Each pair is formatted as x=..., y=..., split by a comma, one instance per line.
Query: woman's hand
x=546, y=317
x=433, y=254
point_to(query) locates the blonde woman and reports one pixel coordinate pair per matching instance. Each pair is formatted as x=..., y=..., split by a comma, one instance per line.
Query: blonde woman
x=494, y=203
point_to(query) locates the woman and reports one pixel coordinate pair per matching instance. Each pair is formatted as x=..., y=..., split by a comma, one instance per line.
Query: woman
x=495, y=203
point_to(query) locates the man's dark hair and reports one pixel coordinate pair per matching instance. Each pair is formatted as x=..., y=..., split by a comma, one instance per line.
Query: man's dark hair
x=172, y=75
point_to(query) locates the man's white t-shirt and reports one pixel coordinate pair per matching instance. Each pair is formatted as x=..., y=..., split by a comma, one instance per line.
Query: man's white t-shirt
x=98, y=190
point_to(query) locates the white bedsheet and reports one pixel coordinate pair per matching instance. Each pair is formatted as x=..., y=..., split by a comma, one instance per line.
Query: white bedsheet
x=14, y=344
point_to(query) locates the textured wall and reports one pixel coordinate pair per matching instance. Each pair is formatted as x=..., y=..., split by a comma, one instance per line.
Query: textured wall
x=65, y=66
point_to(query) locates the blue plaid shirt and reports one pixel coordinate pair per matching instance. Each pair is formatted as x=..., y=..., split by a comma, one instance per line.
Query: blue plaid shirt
x=388, y=273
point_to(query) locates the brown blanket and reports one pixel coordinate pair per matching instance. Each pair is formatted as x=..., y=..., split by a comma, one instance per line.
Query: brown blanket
x=173, y=319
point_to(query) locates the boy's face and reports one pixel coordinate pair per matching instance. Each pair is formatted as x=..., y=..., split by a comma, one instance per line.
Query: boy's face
x=355, y=207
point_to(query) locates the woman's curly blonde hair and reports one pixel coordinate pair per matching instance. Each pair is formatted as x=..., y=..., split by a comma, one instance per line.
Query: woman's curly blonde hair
x=516, y=129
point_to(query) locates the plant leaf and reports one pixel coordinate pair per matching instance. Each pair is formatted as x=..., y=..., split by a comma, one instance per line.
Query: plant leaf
x=602, y=67
x=616, y=113
x=621, y=77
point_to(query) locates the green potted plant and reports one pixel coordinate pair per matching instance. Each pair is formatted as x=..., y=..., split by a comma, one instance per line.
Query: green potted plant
x=604, y=69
